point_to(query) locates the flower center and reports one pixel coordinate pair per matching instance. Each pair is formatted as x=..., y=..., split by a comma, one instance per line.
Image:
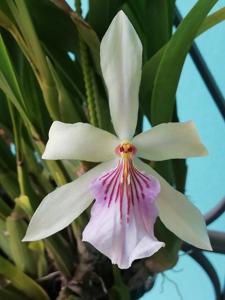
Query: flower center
x=126, y=150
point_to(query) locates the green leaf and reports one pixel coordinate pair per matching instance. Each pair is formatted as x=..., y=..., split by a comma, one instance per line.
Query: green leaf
x=8, y=71
x=38, y=250
x=59, y=250
x=147, y=81
x=39, y=174
x=4, y=243
x=24, y=23
x=165, y=169
x=23, y=203
x=70, y=71
x=60, y=28
x=4, y=208
x=9, y=83
x=67, y=110
x=151, y=66
x=34, y=53
x=90, y=38
x=33, y=99
x=212, y=20
x=10, y=86
x=22, y=174
x=7, y=294
x=4, y=113
x=101, y=13
x=168, y=72
x=8, y=181
x=22, y=256
x=21, y=281
x=7, y=159
x=166, y=257
x=179, y=166
x=85, y=31
x=153, y=22
x=7, y=20
x=180, y=173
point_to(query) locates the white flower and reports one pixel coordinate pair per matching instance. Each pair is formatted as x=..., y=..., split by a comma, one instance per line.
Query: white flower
x=129, y=193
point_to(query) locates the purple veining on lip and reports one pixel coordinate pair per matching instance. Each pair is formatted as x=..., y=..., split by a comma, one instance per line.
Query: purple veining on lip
x=136, y=185
x=124, y=213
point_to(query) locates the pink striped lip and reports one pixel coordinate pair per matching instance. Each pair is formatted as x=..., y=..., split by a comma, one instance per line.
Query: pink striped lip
x=125, y=182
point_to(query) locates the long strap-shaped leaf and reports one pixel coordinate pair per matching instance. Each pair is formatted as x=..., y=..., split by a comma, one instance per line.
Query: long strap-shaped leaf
x=150, y=67
x=21, y=281
x=212, y=20
x=9, y=85
x=168, y=73
x=22, y=256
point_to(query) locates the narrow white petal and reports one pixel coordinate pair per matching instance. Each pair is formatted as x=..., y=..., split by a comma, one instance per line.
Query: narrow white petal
x=178, y=214
x=59, y=208
x=121, y=61
x=80, y=141
x=168, y=141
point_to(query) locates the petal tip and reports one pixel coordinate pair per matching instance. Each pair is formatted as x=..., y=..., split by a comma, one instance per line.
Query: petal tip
x=33, y=234
x=121, y=15
x=207, y=246
x=44, y=156
x=24, y=239
x=47, y=156
x=163, y=245
x=210, y=248
x=27, y=239
x=31, y=237
x=205, y=152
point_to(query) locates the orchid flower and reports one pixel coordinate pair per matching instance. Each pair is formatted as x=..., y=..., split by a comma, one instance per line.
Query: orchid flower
x=128, y=193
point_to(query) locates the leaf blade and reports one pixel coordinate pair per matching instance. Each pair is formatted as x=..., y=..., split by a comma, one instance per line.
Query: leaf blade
x=172, y=61
x=21, y=281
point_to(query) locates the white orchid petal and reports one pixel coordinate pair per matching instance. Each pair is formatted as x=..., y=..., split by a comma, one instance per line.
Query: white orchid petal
x=59, y=208
x=121, y=61
x=80, y=141
x=178, y=214
x=168, y=141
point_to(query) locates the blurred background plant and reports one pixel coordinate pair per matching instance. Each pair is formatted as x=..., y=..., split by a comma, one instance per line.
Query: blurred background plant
x=49, y=70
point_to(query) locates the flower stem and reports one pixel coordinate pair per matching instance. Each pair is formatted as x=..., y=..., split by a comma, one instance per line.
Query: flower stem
x=88, y=83
x=87, y=73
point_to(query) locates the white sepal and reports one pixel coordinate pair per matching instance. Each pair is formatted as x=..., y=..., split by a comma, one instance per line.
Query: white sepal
x=80, y=141
x=121, y=63
x=169, y=141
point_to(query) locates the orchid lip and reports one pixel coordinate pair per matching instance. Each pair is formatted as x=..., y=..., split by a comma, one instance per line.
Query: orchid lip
x=125, y=181
x=124, y=212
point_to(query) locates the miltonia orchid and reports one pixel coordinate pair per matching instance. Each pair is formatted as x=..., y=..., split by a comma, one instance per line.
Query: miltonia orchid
x=128, y=193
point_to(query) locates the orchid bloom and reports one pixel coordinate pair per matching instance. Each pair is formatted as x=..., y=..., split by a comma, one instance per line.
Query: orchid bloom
x=128, y=193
